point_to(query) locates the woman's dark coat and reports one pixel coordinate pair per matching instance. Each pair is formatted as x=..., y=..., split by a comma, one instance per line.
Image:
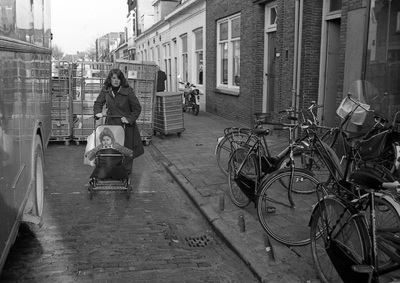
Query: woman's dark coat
x=124, y=104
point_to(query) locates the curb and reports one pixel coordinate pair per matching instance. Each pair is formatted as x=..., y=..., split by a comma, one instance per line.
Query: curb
x=219, y=224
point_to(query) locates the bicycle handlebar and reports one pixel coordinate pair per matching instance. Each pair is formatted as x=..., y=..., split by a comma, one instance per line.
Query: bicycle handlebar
x=187, y=84
x=391, y=185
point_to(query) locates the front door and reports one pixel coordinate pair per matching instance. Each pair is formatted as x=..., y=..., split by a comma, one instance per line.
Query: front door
x=269, y=57
x=331, y=70
x=270, y=75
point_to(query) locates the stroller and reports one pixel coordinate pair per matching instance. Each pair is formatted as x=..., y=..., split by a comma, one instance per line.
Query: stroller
x=110, y=173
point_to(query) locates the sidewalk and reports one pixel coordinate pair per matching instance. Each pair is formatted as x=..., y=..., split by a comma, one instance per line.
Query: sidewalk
x=191, y=160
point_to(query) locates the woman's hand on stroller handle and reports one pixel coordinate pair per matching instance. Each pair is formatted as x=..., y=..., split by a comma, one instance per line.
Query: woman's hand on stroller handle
x=124, y=120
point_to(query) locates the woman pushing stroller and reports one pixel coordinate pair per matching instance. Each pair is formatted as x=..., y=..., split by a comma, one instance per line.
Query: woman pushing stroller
x=121, y=101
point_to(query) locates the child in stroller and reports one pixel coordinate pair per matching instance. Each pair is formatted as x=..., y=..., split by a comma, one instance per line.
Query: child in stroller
x=111, y=167
x=110, y=172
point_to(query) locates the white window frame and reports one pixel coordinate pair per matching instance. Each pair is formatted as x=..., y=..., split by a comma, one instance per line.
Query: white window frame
x=167, y=63
x=199, y=63
x=185, y=57
x=229, y=41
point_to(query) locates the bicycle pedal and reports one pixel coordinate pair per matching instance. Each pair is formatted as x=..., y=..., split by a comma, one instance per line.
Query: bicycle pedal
x=271, y=209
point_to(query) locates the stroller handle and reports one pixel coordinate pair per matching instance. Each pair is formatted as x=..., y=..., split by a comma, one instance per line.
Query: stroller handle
x=109, y=116
x=106, y=116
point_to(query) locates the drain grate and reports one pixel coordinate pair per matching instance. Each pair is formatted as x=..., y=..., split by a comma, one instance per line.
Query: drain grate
x=199, y=242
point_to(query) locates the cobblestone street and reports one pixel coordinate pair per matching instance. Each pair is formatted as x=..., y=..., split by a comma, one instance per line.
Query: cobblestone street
x=155, y=236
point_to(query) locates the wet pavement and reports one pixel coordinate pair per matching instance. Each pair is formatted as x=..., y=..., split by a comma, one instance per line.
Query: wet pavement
x=191, y=160
x=157, y=235
x=147, y=238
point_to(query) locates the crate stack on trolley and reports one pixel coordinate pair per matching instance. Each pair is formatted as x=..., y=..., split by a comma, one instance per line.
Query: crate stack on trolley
x=61, y=114
x=142, y=77
x=77, y=85
x=87, y=80
x=169, y=114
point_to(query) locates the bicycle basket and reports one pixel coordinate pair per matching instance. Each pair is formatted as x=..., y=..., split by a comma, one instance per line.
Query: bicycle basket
x=372, y=147
x=358, y=114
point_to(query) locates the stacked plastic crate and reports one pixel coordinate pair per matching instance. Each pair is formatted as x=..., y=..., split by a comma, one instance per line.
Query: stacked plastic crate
x=169, y=114
x=142, y=77
x=61, y=112
x=87, y=80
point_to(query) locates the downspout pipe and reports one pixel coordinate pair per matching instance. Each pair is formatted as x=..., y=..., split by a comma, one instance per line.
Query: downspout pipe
x=295, y=53
x=300, y=40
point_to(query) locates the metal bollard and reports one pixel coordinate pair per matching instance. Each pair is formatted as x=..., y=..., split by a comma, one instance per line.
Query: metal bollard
x=222, y=202
x=268, y=247
x=241, y=223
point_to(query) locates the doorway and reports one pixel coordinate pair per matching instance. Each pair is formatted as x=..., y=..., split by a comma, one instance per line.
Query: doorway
x=269, y=57
x=331, y=71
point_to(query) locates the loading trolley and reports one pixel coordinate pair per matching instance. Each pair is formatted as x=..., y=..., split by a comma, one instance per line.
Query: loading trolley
x=142, y=77
x=169, y=114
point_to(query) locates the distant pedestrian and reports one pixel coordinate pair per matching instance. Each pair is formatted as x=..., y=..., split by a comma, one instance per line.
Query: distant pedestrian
x=161, y=78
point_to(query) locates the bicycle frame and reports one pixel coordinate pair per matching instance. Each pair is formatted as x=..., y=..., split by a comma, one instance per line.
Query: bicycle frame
x=378, y=239
x=256, y=149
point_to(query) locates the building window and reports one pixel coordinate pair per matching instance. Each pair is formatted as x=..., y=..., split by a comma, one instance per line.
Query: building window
x=335, y=5
x=382, y=66
x=199, y=55
x=185, y=58
x=228, y=53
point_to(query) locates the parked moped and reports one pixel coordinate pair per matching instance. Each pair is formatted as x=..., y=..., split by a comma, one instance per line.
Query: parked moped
x=191, y=97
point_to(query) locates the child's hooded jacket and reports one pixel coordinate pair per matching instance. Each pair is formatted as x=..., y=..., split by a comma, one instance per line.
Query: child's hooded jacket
x=91, y=154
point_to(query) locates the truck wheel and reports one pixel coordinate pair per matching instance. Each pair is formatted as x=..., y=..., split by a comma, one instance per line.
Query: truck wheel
x=33, y=211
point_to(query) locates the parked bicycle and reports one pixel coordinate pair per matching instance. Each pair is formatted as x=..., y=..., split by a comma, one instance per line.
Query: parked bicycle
x=304, y=155
x=250, y=172
x=357, y=240
x=286, y=222
x=359, y=220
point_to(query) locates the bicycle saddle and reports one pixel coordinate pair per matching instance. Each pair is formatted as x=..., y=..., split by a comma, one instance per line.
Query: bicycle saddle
x=260, y=132
x=367, y=178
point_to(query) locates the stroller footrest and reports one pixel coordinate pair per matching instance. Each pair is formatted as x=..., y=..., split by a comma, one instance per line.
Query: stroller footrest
x=109, y=188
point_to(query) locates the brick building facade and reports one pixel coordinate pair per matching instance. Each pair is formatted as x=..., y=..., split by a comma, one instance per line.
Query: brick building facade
x=303, y=72
x=236, y=106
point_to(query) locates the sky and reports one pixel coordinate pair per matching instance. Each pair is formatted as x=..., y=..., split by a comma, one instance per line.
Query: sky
x=77, y=23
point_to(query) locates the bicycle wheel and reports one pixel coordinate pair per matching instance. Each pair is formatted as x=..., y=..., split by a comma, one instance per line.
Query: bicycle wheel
x=338, y=242
x=242, y=184
x=228, y=144
x=388, y=157
x=387, y=222
x=286, y=222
